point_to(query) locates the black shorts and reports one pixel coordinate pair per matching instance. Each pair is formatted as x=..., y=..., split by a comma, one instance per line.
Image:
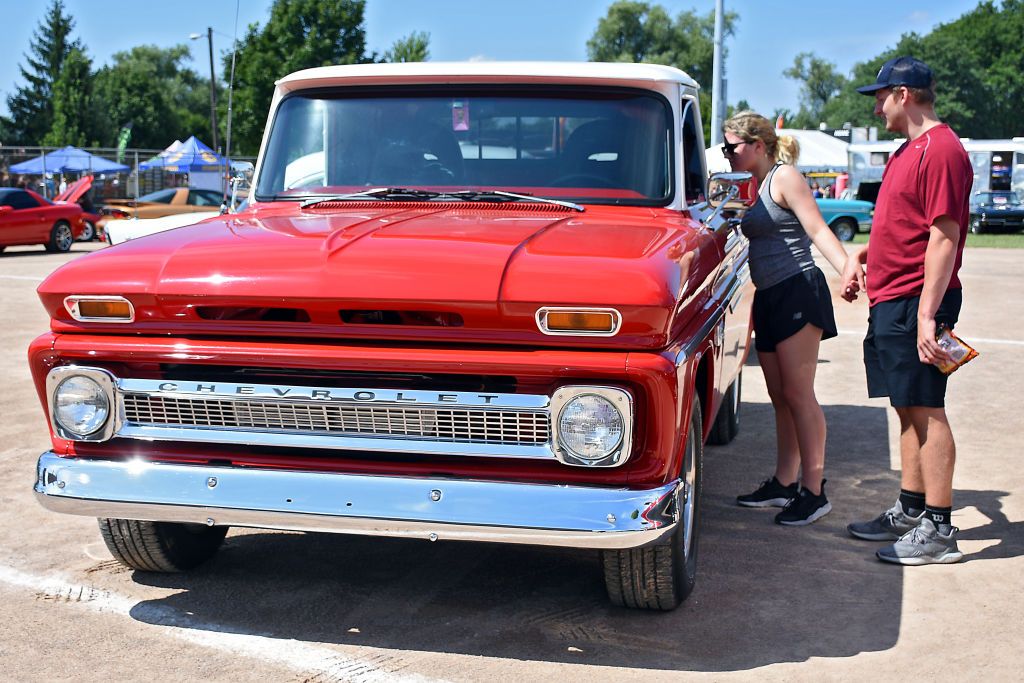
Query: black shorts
x=782, y=310
x=890, y=353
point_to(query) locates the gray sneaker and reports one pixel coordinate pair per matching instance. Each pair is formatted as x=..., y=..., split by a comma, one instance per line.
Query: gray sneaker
x=888, y=526
x=923, y=545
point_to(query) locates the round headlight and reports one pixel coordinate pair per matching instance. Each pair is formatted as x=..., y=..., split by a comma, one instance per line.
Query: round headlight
x=590, y=427
x=80, y=405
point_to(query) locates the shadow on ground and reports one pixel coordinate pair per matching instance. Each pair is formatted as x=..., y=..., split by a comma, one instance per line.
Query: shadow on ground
x=766, y=593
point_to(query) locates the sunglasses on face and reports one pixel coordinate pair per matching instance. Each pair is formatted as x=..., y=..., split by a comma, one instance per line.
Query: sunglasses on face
x=729, y=148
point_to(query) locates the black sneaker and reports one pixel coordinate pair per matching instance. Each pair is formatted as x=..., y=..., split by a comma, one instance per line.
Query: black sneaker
x=769, y=494
x=805, y=508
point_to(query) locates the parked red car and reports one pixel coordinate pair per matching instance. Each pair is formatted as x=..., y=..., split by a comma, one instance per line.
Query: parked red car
x=28, y=218
x=475, y=301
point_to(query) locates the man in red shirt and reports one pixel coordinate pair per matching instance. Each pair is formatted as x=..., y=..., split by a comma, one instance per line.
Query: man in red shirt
x=912, y=258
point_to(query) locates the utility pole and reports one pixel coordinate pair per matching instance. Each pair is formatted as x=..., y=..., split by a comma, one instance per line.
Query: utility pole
x=717, y=76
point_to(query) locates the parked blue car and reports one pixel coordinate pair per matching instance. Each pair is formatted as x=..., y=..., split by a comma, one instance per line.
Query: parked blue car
x=846, y=217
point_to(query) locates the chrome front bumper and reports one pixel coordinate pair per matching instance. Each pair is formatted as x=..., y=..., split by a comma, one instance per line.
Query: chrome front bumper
x=534, y=514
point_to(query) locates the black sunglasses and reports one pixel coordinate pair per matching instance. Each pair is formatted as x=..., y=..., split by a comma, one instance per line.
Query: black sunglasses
x=729, y=148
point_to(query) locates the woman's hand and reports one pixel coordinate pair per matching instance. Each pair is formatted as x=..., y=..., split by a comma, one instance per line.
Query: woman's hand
x=852, y=278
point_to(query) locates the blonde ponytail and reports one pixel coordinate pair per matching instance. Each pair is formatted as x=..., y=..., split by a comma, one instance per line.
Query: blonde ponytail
x=787, y=149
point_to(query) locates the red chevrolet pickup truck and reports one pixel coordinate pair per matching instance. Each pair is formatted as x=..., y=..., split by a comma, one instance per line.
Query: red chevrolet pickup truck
x=478, y=301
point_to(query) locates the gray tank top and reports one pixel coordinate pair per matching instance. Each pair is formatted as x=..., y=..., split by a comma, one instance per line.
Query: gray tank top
x=779, y=246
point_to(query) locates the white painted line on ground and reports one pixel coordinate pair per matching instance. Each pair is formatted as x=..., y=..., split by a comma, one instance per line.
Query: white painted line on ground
x=290, y=654
x=972, y=340
x=33, y=278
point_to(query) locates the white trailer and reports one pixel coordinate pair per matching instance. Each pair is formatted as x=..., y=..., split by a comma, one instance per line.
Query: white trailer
x=998, y=164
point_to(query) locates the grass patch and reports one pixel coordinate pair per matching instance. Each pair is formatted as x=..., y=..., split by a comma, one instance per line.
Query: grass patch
x=992, y=241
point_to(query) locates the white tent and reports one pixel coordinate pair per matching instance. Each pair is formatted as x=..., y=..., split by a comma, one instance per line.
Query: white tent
x=818, y=152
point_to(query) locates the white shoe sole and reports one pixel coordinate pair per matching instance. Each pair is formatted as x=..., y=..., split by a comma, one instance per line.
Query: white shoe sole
x=881, y=536
x=947, y=558
x=770, y=503
x=815, y=516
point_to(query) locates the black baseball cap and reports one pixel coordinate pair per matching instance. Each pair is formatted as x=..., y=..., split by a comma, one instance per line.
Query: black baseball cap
x=907, y=71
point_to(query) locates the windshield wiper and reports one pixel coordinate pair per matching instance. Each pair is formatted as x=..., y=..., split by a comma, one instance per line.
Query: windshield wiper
x=391, y=193
x=409, y=194
x=502, y=196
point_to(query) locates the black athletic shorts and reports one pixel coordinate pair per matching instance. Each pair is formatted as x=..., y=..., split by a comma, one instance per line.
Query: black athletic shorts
x=782, y=310
x=890, y=352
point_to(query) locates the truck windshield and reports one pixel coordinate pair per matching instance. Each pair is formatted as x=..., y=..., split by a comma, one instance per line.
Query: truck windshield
x=597, y=146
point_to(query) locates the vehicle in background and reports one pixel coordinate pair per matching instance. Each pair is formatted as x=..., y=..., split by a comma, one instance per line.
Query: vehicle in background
x=846, y=217
x=162, y=203
x=78, y=193
x=121, y=230
x=996, y=212
x=28, y=218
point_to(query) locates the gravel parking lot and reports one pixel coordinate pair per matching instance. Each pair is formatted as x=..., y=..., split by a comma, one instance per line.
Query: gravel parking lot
x=772, y=602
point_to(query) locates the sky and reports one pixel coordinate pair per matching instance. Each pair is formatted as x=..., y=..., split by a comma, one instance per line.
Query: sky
x=769, y=34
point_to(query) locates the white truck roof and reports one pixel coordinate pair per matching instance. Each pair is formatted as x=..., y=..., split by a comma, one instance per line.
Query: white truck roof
x=623, y=74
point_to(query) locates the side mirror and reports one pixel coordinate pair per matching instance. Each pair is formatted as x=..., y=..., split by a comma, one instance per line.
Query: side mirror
x=732, y=191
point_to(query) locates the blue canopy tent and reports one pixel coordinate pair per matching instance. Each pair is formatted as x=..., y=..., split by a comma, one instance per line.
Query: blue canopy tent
x=67, y=160
x=192, y=156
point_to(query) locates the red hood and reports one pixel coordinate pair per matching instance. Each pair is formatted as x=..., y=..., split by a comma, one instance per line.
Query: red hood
x=484, y=263
x=75, y=191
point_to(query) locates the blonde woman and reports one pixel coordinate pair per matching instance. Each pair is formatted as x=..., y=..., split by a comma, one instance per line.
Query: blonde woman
x=792, y=311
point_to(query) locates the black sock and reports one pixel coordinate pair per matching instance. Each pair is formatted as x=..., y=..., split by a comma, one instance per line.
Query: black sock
x=943, y=517
x=912, y=502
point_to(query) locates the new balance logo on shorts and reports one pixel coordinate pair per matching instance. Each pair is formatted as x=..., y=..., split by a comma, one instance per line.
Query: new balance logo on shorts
x=798, y=315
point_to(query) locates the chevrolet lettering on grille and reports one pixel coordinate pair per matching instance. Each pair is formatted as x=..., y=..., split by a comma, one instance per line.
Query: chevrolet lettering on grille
x=225, y=390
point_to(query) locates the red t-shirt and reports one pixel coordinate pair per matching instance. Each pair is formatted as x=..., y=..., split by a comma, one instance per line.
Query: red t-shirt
x=928, y=177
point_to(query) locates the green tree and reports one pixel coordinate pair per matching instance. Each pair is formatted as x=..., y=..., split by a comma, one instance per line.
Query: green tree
x=73, y=120
x=31, y=105
x=299, y=34
x=634, y=31
x=978, y=62
x=415, y=47
x=150, y=87
x=820, y=82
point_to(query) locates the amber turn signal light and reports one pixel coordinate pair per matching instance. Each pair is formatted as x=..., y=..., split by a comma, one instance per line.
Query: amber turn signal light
x=114, y=309
x=597, y=322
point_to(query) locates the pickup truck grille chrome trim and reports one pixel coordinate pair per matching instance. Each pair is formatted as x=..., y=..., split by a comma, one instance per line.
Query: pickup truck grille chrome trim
x=367, y=419
x=467, y=425
x=456, y=423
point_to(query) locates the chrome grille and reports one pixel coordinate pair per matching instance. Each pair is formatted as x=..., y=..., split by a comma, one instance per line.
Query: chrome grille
x=455, y=425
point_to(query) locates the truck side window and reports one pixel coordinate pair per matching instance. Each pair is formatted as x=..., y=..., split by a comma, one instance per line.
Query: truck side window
x=694, y=171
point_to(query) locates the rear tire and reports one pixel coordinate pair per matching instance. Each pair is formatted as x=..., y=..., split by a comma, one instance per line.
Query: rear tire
x=845, y=229
x=61, y=238
x=660, y=576
x=727, y=422
x=976, y=226
x=160, y=546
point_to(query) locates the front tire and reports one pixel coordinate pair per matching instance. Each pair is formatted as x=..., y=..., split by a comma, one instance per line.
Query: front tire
x=727, y=422
x=88, y=233
x=61, y=238
x=160, y=546
x=845, y=230
x=661, y=576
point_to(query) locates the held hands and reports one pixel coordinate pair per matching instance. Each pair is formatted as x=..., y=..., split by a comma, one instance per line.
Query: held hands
x=928, y=350
x=853, y=278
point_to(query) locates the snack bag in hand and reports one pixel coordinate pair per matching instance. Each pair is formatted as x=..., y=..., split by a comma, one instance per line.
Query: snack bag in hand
x=959, y=351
